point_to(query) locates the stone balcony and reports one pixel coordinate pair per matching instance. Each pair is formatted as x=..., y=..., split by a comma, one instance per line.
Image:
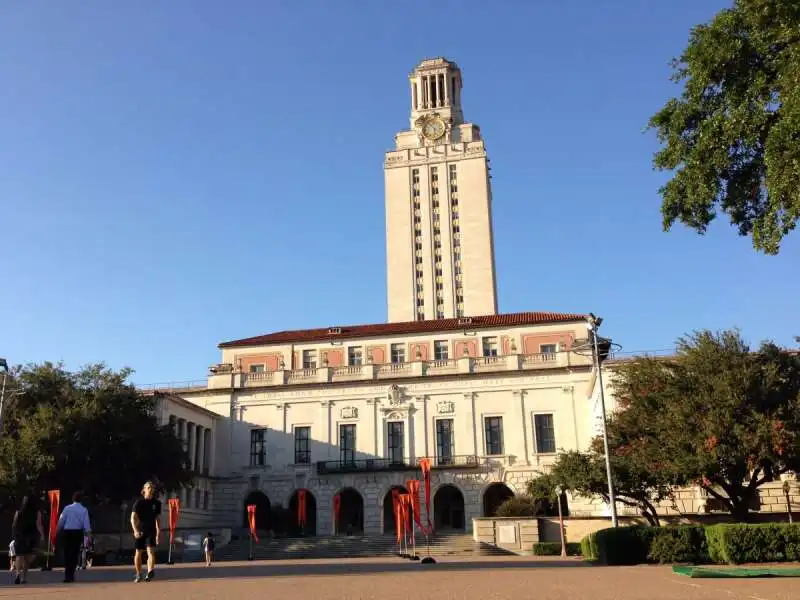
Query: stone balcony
x=420, y=368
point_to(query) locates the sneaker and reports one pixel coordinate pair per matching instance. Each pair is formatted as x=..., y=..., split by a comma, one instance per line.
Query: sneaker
x=17, y=580
x=150, y=575
x=137, y=579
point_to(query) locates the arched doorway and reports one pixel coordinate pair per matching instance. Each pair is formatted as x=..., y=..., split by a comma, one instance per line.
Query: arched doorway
x=351, y=512
x=494, y=496
x=448, y=508
x=388, y=509
x=310, y=527
x=263, y=511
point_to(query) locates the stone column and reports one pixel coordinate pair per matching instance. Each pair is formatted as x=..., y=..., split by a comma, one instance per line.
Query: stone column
x=519, y=412
x=191, y=440
x=325, y=423
x=371, y=423
x=469, y=398
x=199, y=459
x=446, y=84
x=182, y=433
x=206, y=450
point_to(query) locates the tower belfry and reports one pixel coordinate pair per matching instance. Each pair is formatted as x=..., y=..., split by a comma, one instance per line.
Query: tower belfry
x=440, y=252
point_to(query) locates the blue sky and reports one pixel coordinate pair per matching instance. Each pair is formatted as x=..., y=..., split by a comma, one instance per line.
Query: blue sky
x=175, y=174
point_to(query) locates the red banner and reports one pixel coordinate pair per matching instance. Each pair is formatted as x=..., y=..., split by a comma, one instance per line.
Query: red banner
x=301, y=507
x=413, y=492
x=55, y=500
x=337, y=504
x=174, y=507
x=425, y=465
x=397, y=513
x=251, y=519
x=405, y=504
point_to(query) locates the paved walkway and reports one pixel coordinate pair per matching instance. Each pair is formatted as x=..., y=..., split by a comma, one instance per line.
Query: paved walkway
x=479, y=578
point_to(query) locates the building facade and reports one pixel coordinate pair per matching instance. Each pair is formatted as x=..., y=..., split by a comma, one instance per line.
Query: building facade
x=349, y=411
x=439, y=245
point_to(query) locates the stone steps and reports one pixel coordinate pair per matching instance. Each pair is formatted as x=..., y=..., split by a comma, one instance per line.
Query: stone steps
x=350, y=547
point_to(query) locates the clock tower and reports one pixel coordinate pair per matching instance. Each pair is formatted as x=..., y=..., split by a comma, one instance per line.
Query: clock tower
x=439, y=247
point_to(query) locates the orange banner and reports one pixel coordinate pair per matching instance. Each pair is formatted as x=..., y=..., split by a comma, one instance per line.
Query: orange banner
x=174, y=507
x=54, y=496
x=425, y=465
x=396, y=511
x=251, y=519
x=405, y=504
x=337, y=505
x=301, y=507
x=413, y=492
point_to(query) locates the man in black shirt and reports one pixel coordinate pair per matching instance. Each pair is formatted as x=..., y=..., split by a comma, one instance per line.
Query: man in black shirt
x=146, y=523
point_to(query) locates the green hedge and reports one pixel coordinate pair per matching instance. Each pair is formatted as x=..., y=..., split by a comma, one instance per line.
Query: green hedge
x=727, y=543
x=554, y=549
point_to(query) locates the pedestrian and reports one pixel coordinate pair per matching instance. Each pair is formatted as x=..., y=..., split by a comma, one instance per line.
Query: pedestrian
x=72, y=525
x=146, y=524
x=208, y=547
x=28, y=529
x=12, y=555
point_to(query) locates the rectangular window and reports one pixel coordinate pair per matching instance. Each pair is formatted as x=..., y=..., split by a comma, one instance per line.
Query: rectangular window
x=354, y=355
x=398, y=353
x=396, y=441
x=347, y=444
x=445, y=442
x=309, y=359
x=547, y=348
x=302, y=448
x=440, y=351
x=256, y=368
x=545, y=432
x=490, y=346
x=493, y=429
x=258, y=447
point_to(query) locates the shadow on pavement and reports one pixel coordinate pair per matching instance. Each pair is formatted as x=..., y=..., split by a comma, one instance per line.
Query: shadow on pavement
x=281, y=569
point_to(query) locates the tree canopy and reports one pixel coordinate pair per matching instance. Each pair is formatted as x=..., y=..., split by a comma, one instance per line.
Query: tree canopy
x=732, y=138
x=717, y=415
x=88, y=430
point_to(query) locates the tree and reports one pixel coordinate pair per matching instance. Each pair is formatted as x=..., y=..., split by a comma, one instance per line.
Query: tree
x=732, y=138
x=635, y=485
x=88, y=430
x=717, y=414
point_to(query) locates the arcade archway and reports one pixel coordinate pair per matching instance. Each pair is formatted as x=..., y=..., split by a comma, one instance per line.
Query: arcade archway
x=263, y=511
x=494, y=496
x=310, y=528
x=351, y=512
x=448, y=508
x=388, y=509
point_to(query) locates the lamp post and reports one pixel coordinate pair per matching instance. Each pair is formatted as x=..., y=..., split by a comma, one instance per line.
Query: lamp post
x=559, y=491
x=786, y=489
x=5, y=395
x=593, y=324
x=123, y=512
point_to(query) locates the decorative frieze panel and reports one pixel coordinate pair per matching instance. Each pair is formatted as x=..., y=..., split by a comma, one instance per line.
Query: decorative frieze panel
x=446, y=407
x=349, y=412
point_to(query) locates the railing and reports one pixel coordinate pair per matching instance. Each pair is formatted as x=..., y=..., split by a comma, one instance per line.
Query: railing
x=170, y=386
x=367, y=465
x=371, y=465
x=465, y=461
x=366, y=372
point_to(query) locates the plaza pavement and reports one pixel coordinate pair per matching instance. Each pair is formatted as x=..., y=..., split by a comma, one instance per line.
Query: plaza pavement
x=477, y=578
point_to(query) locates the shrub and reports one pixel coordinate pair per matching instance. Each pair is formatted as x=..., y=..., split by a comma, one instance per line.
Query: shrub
x=589, y=546
x=738, y=543
x=520, y=506
x=681, y=544
x=554, y=549
x=624, y=545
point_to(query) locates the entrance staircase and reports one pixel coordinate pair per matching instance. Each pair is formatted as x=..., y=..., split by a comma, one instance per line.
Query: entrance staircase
x=442, y=545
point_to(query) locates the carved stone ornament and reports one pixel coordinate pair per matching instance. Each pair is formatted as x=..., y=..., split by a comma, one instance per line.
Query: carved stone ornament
x=395, y=396
x=446, y=407
x=349, y=412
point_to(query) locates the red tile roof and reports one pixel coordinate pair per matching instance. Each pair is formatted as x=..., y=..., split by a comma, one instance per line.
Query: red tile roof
x=389, y=329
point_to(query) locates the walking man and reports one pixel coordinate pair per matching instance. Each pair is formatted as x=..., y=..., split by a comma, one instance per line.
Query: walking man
x=145, y=521
x=72, y=524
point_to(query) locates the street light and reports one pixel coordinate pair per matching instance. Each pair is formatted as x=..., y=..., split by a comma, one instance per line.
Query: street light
x=593, y=324
x=3, y=396
x=559, y=489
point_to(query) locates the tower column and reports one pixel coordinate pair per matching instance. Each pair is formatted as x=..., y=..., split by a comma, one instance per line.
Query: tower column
x=445, y=81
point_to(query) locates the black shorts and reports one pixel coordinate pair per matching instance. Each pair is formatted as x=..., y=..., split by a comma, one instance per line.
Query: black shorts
x=147, y=540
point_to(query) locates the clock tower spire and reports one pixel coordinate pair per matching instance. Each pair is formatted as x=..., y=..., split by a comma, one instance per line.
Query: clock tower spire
x=439, y=247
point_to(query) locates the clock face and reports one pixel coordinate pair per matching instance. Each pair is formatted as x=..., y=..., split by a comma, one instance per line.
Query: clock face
x=433, y=129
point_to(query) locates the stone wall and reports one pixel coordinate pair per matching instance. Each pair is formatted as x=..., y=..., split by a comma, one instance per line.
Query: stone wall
x=515, y=534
